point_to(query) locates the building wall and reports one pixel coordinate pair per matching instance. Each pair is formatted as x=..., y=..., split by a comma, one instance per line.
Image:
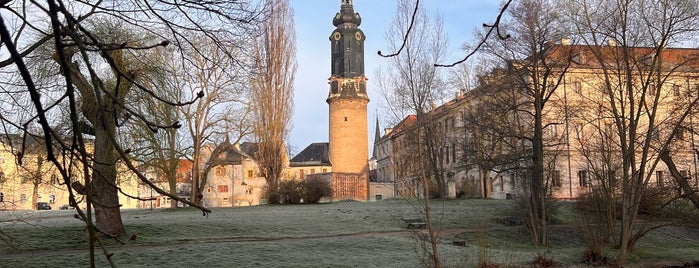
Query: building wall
x=301, y=172
x=381, y=190
x=17, y=187
x=349, y=138
x=575, y=115
x=234, y=185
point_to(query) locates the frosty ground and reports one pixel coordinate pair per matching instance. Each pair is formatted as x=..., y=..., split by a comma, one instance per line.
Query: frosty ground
x=339, y=234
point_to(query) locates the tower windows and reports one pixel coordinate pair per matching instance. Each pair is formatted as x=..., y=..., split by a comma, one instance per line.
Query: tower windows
x=345, y=118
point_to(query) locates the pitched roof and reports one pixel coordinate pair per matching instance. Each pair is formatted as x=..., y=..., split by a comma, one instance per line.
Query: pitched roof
x=315, y=154
x=228, y=154
x=249, y=148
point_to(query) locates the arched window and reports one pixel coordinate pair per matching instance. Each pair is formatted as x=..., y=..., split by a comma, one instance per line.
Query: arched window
x=52, y=198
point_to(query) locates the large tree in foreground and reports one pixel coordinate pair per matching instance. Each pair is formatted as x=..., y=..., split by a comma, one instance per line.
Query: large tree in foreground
x=272, y=95
x=100, y=65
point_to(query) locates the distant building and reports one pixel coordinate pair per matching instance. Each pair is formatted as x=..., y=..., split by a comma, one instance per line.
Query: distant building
x=576, y=115
x=312, y=160
x=36, y=180
x=235, y=179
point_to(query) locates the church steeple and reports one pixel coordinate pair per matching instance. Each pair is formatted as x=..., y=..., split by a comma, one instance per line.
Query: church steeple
x=347, y=105
x=347, y=56
x=347, y=18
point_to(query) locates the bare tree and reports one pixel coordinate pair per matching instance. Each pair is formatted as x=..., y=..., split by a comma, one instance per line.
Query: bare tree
x=157, y=151
x=222, y=114
x=636, y=65
x=272, y=92
x=413, y=86
x=537, y=68
x=100, y=66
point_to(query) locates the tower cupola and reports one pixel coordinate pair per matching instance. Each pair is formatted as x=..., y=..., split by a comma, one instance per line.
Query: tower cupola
x=347, y=18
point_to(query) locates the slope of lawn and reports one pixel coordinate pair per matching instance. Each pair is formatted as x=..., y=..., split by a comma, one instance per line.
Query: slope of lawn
x=340, y=234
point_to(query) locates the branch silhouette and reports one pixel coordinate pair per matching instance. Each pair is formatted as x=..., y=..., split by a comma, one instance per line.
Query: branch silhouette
x=495, y=27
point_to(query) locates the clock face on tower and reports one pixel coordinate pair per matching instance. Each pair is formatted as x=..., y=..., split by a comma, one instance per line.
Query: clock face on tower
x=358, y=35
x=336, y=36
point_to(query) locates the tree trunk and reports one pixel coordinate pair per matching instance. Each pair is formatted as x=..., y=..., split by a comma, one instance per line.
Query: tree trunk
x=35, y=195
x=690, y=193
x=105, y=197
x=537, y=197
x=172, y=182
x=196, y=194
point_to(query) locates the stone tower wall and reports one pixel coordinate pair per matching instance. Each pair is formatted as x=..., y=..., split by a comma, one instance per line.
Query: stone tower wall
x=349, y=134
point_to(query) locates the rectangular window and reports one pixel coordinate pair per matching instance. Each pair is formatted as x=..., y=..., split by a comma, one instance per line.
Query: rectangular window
x=446, y=155
x=379, y=197
x=441, y=154
x=313, y=171
x=577, y=87
x=219, y=171
x=301, y=174
x=583, y=178
x=226, y=201
x=453, y=152
x=325, y=170
x=659, y=178
x=556, y=178
x=250, y=173
x=676, y=90
x=223, y=188
x=652, y=88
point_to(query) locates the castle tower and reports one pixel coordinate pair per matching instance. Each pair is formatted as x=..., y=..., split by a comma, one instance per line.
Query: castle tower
x=347, y=98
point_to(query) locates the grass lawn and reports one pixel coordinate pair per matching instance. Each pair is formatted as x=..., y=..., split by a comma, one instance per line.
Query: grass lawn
x=341, y=234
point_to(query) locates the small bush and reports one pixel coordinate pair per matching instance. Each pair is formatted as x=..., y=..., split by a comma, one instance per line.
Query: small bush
x=541, y=261
x=314, y=189
x=271, y=194
x=594, y=256
x=291, y=191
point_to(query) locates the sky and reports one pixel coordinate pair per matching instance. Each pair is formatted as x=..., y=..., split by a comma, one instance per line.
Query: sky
x=313, y=23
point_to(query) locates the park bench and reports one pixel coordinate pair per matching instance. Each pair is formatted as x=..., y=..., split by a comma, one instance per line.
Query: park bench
x=415, y=223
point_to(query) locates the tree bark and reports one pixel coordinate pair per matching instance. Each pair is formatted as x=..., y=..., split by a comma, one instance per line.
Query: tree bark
x=103, y=191
x=690, y=193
